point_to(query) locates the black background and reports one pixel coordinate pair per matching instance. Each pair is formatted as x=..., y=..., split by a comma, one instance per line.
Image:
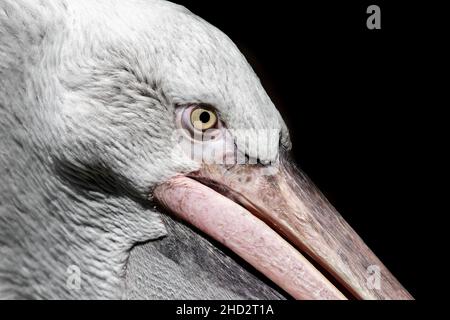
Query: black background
x=360, y=105
x=349, y=97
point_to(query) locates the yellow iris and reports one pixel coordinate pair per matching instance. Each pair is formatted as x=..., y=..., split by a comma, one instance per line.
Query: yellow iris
x=203, y=119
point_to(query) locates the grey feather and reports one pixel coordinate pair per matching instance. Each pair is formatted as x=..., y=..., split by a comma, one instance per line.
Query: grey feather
x=87, y=97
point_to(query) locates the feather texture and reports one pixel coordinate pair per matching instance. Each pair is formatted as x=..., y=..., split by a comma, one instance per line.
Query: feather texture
x=88, y=91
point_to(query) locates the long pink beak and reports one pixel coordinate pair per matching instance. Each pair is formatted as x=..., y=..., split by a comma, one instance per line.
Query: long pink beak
x=284, y=227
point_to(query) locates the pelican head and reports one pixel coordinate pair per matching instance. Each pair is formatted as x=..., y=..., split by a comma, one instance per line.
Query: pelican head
x=140, y=153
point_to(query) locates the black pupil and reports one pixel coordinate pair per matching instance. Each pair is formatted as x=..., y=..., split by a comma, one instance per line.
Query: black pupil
x=204, y=117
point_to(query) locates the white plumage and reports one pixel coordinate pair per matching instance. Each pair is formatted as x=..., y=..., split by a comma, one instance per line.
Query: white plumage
x=87, y=93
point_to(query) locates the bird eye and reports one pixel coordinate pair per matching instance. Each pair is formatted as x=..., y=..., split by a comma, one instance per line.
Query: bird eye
x=203, y=119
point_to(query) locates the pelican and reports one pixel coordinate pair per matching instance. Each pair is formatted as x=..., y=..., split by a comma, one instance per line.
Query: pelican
x=141, y=158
